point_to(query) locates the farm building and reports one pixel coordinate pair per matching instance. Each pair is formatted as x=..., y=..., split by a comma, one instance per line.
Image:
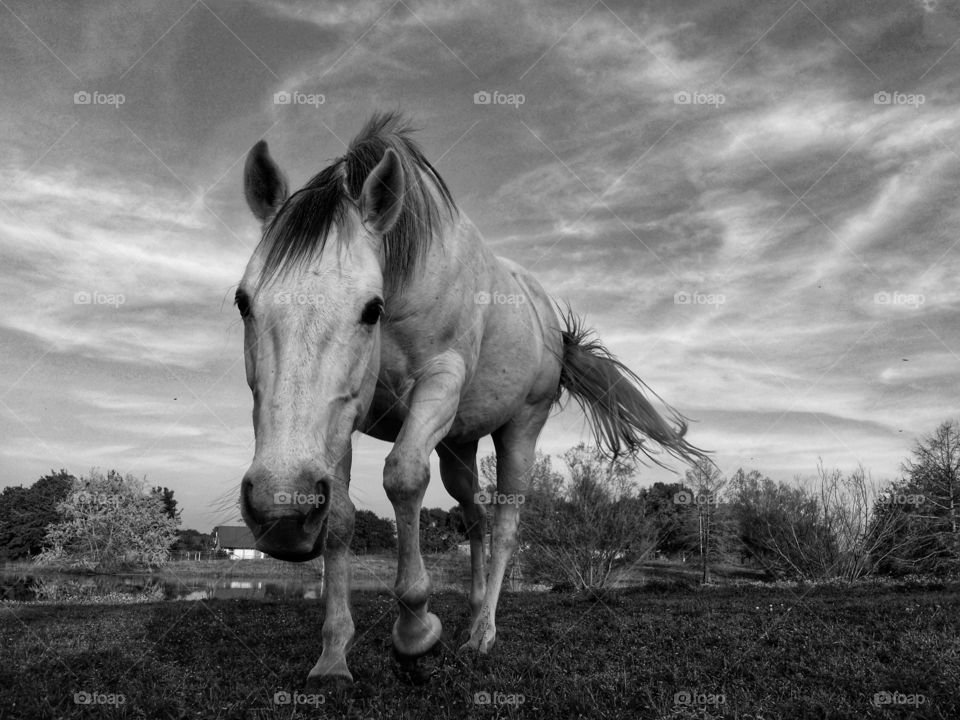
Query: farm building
x=237, y=541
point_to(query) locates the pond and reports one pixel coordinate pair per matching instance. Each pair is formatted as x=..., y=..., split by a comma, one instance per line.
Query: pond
x=71, y=588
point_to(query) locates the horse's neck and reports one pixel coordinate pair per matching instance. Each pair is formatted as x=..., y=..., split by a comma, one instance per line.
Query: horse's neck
x=457, y=265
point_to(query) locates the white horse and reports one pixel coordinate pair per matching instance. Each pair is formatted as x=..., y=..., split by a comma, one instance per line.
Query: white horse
x=371, y=304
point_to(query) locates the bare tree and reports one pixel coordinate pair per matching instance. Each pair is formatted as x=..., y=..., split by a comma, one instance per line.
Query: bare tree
x=581, y=534
x=836, y=525
x=711, y=521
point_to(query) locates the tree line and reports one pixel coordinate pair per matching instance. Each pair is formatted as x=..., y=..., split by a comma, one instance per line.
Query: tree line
x=578, y=529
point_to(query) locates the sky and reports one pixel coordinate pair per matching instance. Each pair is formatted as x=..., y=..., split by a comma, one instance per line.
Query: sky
x=754, y=204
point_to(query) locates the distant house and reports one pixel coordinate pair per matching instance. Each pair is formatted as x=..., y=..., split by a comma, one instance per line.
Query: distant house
x=237, y=541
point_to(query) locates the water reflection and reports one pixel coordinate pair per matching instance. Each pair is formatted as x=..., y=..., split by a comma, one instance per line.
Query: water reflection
x=76, y=588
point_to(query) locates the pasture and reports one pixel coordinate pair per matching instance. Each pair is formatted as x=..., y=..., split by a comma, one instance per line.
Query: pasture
x=665, y=650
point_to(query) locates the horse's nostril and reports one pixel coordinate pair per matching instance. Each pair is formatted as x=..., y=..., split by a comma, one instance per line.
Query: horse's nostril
x=246, y=488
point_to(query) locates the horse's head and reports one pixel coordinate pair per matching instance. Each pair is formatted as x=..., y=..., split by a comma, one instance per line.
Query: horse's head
x=311, y=341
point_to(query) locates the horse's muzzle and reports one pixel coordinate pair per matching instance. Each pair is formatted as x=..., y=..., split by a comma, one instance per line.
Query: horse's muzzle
x=287, y=525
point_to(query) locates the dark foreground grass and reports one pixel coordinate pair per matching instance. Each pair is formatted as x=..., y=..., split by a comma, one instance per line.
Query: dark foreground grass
x=770, y=653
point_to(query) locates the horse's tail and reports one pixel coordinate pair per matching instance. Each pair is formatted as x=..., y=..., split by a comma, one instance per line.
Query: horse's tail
x=613, y=400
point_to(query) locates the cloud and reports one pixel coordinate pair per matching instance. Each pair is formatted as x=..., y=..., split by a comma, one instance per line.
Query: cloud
x=616, y=195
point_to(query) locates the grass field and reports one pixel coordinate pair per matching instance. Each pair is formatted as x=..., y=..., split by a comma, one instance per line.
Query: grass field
x=740, y=652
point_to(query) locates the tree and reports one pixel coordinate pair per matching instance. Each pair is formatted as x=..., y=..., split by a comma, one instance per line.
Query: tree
x=934, y=474
x=192, y=541
x=372, y=533
x=710, y=523
x=26, y=512
x=667, y=518
x=438, y=531
x=110, y=521
x=169, y=504
x=578, y=532
x=542, y=479
x=834, y=525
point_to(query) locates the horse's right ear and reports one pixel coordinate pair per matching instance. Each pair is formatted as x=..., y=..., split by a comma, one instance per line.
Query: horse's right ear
x=264, y=185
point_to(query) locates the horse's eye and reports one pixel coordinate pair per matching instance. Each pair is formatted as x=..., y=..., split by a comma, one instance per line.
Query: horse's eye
x=243, y=304
x=372, y=312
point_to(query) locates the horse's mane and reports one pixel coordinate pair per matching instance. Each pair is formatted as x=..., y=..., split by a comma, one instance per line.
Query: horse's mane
x=299, y=230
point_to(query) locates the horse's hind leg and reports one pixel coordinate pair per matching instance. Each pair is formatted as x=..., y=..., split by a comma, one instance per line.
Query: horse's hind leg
x=458, y=469
x=515, y=444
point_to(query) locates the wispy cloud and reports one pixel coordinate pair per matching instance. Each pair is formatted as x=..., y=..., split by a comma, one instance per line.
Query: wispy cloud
x=742, y=156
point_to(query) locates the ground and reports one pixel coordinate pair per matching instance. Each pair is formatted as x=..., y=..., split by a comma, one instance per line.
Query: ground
x=744, y=652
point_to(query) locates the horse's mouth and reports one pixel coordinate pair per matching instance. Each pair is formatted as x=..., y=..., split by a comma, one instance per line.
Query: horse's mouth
x=300, y=544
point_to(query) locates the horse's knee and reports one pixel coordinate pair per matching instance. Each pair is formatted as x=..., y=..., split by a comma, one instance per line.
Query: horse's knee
x=405, y=476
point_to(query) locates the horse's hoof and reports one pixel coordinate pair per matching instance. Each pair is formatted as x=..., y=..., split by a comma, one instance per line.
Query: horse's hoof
x=324, y=683
x=479, y=643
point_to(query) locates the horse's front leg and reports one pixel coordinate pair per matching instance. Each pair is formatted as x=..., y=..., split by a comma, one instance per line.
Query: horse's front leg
x=433, y=406
x=338, y=625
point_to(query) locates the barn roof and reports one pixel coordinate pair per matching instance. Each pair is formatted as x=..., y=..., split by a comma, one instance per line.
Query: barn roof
x=235, y=536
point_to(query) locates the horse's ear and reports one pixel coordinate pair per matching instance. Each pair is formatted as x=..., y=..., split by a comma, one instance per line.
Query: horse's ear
x=382, y=196
x=264, y=185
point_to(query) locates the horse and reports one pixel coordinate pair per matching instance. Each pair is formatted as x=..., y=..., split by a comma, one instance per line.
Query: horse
x=371, y=304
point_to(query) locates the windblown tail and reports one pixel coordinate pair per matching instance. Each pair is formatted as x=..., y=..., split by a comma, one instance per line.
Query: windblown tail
x=612, y=398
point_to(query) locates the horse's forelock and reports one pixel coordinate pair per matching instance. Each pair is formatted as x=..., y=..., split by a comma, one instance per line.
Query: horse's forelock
x=300, y=229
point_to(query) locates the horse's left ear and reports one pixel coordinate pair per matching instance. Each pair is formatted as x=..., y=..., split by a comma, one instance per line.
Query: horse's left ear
x=264, y=185
x=382, y=196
